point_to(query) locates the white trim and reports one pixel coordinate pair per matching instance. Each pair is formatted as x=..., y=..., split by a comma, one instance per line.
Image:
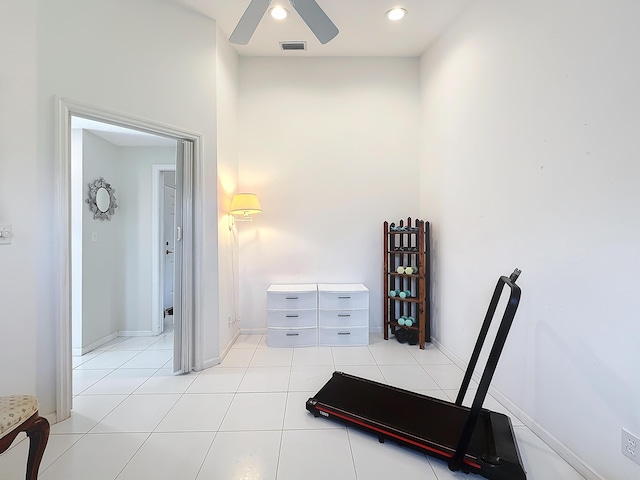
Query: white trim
x=104, y=340
x=97, y=344
x=62, y=268
x=51, y=417
x=65, y=108
x=157, y=265
x=198, y=215
x=562, y=450
x=212, y=362
x=136, y=333
x=230, y=344
x=184, y=353
x=253, y=331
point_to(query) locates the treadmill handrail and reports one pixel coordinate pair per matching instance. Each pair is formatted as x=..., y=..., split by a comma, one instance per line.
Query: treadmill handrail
x=492, y=361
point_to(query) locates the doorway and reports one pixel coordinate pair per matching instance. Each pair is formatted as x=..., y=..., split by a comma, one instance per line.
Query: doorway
x=187, y=150
x=113, y=271
x=167, y=229
x=163, y=211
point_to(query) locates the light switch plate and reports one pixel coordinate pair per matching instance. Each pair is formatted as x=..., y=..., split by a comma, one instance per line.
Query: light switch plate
x=5, y=234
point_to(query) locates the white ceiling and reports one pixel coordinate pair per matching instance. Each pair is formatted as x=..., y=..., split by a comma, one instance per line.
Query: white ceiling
x=364, y=29
x=121, y=136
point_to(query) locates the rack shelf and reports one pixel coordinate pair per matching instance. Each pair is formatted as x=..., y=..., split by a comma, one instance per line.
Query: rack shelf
x=406, y=244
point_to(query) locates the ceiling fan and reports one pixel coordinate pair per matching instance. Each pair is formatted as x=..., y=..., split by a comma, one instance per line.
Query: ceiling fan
x=315, y=18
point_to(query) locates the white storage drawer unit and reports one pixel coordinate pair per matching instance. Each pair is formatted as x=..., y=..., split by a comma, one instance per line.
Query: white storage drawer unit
x=292, y=297
x=348, y=297
x=349, y=336
x=292, y=315
x=343, y=318
x=292, y=337
x=343, y=314
x=292, y=318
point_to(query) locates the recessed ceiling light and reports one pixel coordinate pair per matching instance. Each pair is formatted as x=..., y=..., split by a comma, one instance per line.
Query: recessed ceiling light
x=279, y=13
x=396, y=14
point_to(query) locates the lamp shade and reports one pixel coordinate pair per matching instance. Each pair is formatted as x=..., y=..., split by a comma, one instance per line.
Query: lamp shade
x=245, y=204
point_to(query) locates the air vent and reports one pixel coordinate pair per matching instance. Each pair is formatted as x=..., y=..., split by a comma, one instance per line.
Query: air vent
x=293, y=45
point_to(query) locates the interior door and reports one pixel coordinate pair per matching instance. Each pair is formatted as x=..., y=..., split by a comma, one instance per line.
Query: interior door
x=182, y=267
x=168, y=238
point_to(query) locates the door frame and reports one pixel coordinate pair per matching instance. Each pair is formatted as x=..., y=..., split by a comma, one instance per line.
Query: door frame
x=157, y=265
x=65, y=109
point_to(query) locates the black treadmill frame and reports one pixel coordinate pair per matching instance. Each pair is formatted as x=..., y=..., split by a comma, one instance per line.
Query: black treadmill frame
x=490, y=465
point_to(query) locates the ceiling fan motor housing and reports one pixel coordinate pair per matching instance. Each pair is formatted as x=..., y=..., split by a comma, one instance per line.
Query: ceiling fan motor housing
x=309, y=10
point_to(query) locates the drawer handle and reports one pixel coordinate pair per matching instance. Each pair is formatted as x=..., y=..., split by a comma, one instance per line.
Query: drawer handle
x=291, y=298
x=344, y=315
x=344, y=297
x=291, y=316
x=344, y=333
x=292, y=334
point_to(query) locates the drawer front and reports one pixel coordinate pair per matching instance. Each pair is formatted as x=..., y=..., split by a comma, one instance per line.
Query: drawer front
x=291, y=318
x=343, y=318
x=343, y=336
x=292, y=300
x=343, y=300
x=292, y=337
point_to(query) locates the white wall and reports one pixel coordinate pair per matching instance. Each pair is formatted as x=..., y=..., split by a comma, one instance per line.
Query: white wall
x=20, y=205
x=136, y=237
x=102, y=246
x=116, y=278
x=227, y=122
x=530, y=160
x=330, y=147
x=147, y=59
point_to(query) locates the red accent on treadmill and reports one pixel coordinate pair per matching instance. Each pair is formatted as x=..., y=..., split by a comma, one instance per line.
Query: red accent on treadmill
x=394, y=435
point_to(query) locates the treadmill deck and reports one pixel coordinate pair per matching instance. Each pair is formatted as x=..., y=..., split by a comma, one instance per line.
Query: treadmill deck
x=421, y=422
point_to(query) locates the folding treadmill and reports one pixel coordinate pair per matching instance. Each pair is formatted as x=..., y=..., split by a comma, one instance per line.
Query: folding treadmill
x=473, y=439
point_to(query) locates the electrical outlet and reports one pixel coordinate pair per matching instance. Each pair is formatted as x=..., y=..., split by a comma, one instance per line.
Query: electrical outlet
x=631, y=446
x=229, y=319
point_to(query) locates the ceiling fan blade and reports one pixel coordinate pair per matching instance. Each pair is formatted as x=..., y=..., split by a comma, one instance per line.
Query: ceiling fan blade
x=318, y=21
x=249, y=22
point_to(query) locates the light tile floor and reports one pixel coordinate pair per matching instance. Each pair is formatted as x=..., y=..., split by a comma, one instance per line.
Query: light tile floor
x=244, y=419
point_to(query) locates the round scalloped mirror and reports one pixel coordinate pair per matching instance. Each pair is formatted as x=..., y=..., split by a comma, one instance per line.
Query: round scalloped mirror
x=102, y=200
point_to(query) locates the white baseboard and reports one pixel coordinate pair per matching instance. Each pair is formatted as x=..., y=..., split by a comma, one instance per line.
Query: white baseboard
x=253, y=331
x=52, y=418
x=567, y=455
x=76, y=352
x=136, y=333
x=229, y=345
x=212, y=362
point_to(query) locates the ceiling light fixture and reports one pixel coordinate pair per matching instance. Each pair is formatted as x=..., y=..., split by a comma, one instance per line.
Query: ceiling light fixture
x=396, y=14
x=279, y=13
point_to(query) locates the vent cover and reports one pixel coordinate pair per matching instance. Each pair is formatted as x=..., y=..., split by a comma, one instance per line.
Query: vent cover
x=293, y=45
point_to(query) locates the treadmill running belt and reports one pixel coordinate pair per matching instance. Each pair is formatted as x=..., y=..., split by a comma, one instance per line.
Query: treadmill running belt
x=398, y=410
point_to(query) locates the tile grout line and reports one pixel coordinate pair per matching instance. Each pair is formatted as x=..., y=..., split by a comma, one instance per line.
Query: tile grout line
x=204, y=459
x=132, y=456
x=235, y=393
x=353, y=460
